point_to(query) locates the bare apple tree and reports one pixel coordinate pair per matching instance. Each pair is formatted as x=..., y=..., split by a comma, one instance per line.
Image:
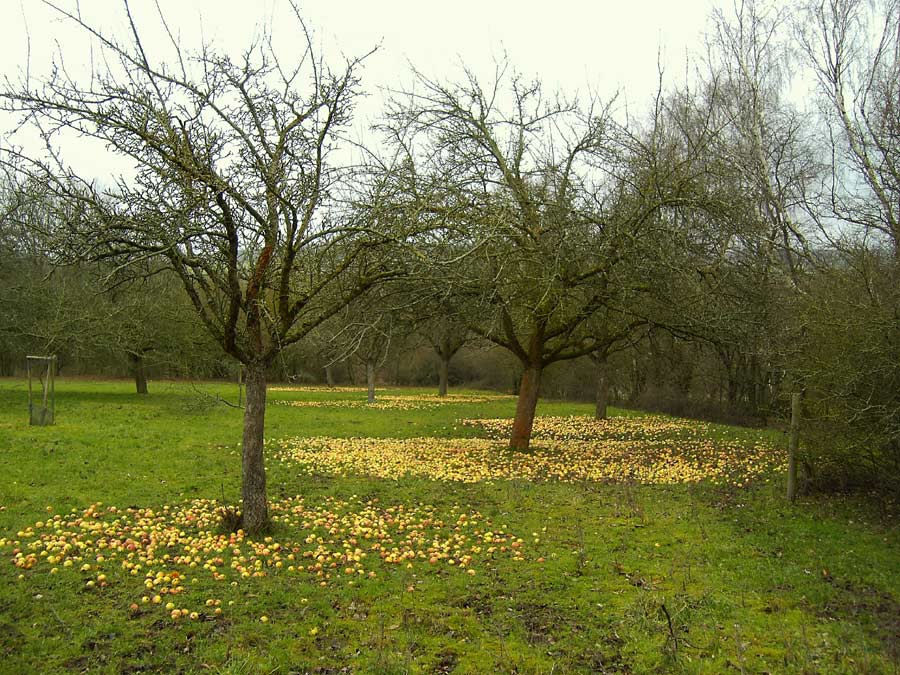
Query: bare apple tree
x=235, y=188
x=564, y=208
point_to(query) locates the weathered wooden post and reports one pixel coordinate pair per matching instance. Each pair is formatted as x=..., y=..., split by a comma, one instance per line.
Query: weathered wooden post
x=793, y=446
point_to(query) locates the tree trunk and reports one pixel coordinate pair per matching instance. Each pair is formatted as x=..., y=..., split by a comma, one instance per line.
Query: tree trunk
x=140, y=373
x=329, y=376
x=732, y=388
x=370, y=380
x=638, y=380
x=255, y=508
x=602, y=389
x=525, y=407
x=443, y=375
x=793, y=446
x=753, y=384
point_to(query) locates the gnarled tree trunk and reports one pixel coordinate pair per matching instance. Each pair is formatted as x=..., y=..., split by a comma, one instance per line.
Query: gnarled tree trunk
x=443, y=375
x=140, y=372
x=525, y=407
x=255, y=507
x=446, y=350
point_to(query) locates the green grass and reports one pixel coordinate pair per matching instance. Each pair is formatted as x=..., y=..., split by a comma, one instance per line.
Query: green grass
x=635, y=579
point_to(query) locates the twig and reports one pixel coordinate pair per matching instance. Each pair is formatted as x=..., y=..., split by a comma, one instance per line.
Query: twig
x=216, y=398
x=672, y=636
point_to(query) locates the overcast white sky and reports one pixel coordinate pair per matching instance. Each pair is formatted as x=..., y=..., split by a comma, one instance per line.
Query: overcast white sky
x=605, y=45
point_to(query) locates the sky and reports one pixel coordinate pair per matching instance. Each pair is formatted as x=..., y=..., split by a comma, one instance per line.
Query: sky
x=610, y=47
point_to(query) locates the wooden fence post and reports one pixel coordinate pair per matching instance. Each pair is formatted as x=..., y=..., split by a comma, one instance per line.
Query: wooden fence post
x=793, y=446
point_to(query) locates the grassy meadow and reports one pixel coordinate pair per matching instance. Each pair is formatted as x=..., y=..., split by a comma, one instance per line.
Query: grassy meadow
x=407, y=539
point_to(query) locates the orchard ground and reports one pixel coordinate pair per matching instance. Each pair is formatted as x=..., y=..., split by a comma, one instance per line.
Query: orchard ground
x=406, y=538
